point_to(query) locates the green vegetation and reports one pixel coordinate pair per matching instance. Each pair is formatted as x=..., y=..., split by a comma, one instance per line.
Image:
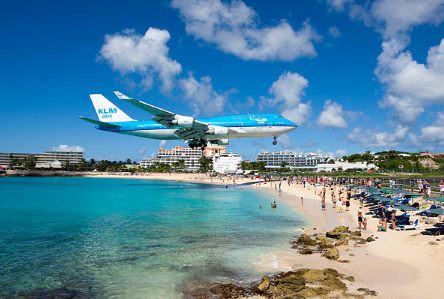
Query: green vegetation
x=396, y=161
x=246, y=165
x=206, y=164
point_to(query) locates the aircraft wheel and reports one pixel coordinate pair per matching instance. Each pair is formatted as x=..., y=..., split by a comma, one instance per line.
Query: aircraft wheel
x=275, y=142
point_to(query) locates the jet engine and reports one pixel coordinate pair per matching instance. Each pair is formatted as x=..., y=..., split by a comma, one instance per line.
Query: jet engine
x=217, y=131
x=184, y=121
x=220, y=142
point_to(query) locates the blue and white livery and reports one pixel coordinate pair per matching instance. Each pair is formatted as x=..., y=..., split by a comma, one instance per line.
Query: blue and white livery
x=167, y=125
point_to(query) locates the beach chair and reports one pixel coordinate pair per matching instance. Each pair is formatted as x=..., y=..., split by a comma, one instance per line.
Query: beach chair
x=434, y=231
x=416, y=225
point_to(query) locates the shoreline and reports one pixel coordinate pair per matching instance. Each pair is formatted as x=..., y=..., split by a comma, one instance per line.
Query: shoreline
x=397, y=265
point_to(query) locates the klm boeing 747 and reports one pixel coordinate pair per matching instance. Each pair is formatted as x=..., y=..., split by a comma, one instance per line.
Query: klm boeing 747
x=167, y=125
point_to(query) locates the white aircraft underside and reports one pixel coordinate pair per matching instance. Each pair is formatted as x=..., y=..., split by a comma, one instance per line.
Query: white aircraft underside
x=168, y=134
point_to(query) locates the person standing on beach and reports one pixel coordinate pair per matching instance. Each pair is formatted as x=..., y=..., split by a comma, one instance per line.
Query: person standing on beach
x=302, y=200
x=333, y=199
x=360, y=219
x=323, y=203
x=427, y=189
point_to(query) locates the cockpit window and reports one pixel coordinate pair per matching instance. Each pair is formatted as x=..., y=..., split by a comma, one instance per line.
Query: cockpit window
x=280, y=116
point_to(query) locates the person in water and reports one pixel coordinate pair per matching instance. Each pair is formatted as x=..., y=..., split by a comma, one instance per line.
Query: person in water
x=274, y=205
x=260, y=207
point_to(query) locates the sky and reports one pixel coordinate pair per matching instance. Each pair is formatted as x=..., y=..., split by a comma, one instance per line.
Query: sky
x=354, y=75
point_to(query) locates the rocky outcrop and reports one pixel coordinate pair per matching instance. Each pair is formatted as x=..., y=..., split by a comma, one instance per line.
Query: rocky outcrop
x=304, y=239
x=332, y=254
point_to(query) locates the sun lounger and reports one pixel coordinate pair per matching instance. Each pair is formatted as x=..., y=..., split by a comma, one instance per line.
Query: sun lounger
x=434, y=231
x=415, y=225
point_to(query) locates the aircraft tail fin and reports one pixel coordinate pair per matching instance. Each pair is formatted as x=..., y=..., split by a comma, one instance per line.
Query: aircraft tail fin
x=107, y=111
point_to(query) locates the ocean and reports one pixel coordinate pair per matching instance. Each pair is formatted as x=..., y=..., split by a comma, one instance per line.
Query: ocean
x=134, y=238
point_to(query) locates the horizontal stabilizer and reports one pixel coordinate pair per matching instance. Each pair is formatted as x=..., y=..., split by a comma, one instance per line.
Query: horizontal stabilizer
x=100, y=123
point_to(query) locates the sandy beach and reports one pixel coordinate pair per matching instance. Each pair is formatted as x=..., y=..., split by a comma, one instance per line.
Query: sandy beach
x=399, y=264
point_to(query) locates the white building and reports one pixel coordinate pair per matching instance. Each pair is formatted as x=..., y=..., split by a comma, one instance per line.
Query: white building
x=292, y=159
x=188, y=155
x=49, y=165
x=345, y=166
x=47, y=157
x=227, y=163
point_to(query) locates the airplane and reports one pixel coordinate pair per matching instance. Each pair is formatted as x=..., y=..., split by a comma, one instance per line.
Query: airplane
x=166, y=125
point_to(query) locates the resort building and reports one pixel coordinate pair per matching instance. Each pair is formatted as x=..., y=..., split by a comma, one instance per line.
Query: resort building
x=227, y=163
x=189, y=155
x=346, y=166
x=292, y=160
x=43, y=159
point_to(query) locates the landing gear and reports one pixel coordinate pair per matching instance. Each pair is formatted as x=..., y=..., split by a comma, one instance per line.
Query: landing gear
x=202, y=143
x=274, y=140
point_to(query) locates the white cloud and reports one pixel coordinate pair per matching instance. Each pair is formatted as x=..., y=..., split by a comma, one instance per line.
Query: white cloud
x=68, y=148
x=332, y=116
x=334, y=32
x=201, y=95
x=287, y=92
x=433, y=134
x=338, y=5
x=147, y=55
x=284, y=141
x=373, y=139
x=410, y=86
x=341, y=153
x=234, y=29
x=163, y=143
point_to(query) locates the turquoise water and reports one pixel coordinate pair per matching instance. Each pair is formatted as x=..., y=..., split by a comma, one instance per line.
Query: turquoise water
x=131, y=238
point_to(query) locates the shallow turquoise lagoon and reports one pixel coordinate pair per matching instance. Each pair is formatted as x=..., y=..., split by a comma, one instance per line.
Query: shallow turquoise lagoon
x=132, y=238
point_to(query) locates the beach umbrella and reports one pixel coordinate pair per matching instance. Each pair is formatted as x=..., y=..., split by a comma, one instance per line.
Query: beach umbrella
x=436, y=199
x=405, y=208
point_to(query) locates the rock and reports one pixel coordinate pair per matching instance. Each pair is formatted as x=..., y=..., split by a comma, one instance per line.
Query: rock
x=344, y=261
x=314, y=228
x=304, y=239
x=350, y=278
x=341, y=243
x=321, y=238
x=341, y=229
x=224, y=291
x=342, y=236
x=306, y=251
x=308, y=293
x=368, y=292
x=333, y=235
x=312, y=276
x=314, y=235
x=325, y=245
x=60, y=293
x=334, y=284
x=433, y=243
x=361, y=241
x=288, y=284
x=355, y=234
x=351, y=254
x=370, y=239
x=265, y=283
x=332, y=254
x=331, y=273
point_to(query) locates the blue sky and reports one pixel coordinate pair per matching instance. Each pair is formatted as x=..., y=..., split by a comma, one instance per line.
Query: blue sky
x=354, y=75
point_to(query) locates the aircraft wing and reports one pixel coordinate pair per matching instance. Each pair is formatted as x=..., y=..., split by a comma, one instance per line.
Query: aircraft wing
x=167, y=118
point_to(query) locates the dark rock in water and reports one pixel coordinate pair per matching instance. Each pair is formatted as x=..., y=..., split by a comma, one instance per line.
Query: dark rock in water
x=60, y=293
x=304, y=239
x=130, y=248
x=219, y=291
x=332, y=254
x=306, y=251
